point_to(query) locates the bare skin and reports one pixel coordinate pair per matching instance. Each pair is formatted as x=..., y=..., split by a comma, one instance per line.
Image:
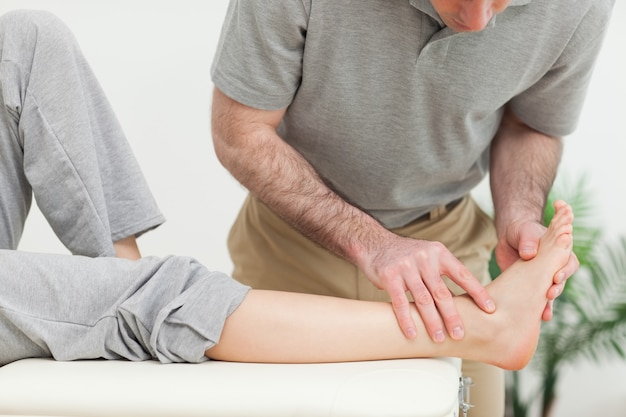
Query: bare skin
x=289, y=185
x=468, y=16
x=282, y=179
x=282, y=327
x=519, y=189
x=127, y=248
x=524, y=163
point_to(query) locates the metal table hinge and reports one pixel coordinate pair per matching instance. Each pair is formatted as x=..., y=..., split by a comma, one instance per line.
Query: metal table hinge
x=464, y=395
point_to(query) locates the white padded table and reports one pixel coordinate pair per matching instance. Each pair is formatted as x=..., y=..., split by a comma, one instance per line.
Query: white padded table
x=395, y=388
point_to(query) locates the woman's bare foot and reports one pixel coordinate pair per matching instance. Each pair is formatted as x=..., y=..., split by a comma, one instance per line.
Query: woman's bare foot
x=508, y=338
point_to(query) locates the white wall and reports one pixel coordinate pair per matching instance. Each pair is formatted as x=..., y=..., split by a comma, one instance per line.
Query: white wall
x=153, y=57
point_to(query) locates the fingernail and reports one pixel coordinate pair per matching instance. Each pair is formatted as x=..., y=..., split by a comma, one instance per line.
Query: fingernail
x=490, y=305
x=557, y=291
x=411, y=333
x=439, y=336
x=458, y=333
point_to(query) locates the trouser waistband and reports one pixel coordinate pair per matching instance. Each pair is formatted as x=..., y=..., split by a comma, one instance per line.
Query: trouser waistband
x=438, y=211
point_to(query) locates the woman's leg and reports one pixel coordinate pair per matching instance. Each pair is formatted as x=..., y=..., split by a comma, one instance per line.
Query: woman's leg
x=175, y=310
x=76, y=307
x=287, y=327
x=60, y=140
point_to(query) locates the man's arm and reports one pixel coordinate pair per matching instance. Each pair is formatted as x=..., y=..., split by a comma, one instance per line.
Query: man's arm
x=247, y=144
x=523, y=166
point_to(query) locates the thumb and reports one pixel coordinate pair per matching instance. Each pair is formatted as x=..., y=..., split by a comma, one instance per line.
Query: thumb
x=529, y=240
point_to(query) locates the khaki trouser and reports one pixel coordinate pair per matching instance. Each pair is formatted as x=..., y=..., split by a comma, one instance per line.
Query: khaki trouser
x=270, y=254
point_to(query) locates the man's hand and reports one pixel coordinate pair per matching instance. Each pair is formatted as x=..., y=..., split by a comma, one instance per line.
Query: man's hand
x=285, y=181
x=521, y=241
x=416, y=266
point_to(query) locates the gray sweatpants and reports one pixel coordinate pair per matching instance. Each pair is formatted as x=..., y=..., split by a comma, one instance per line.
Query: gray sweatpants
x=75, y=307
x=61, y=142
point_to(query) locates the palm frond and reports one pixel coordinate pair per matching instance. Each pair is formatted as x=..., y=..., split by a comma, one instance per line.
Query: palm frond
x=590, y=316
x=591, y=321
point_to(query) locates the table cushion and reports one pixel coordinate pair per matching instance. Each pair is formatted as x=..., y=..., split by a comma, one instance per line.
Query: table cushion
x=407, y=387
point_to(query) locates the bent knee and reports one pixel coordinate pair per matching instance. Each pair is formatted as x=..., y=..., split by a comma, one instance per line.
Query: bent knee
x=22, y=30
x=27, y=19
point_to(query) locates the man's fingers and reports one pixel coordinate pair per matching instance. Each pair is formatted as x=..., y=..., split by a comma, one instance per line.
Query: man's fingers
x=428, y=311
x=555, y=290
x=568, y=270
x=402, y=309
x=464, y=279
x=548, y=312
x=562, y=276
x=445, y=307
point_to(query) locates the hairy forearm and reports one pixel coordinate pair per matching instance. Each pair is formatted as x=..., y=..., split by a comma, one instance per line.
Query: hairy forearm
x=523, y=166
x=281, y=178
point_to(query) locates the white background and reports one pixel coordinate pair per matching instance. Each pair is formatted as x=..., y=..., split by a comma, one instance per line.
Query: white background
x=152, y=58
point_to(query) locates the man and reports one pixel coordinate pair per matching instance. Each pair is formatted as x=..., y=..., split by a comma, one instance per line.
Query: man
x=361, y=128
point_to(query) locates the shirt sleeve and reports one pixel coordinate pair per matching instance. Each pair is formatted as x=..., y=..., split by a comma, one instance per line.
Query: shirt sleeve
x=554, y=103
x=259, y=55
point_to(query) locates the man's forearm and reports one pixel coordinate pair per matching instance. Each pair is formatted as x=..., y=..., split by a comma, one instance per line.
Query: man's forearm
x=524, y=163
x=281, y=178
x=247, y=144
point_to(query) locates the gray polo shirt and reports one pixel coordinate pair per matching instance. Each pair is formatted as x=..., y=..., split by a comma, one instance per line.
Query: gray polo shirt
x=395, y=111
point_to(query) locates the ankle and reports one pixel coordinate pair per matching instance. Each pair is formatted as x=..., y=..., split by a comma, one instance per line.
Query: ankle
x=127, y=248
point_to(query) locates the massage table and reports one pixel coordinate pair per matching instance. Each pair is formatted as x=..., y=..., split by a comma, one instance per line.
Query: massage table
x=94, y=388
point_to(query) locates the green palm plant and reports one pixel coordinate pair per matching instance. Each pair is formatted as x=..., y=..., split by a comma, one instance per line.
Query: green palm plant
x=589, y=317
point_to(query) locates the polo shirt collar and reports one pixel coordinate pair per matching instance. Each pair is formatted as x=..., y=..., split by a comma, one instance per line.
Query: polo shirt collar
x=425, y=6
